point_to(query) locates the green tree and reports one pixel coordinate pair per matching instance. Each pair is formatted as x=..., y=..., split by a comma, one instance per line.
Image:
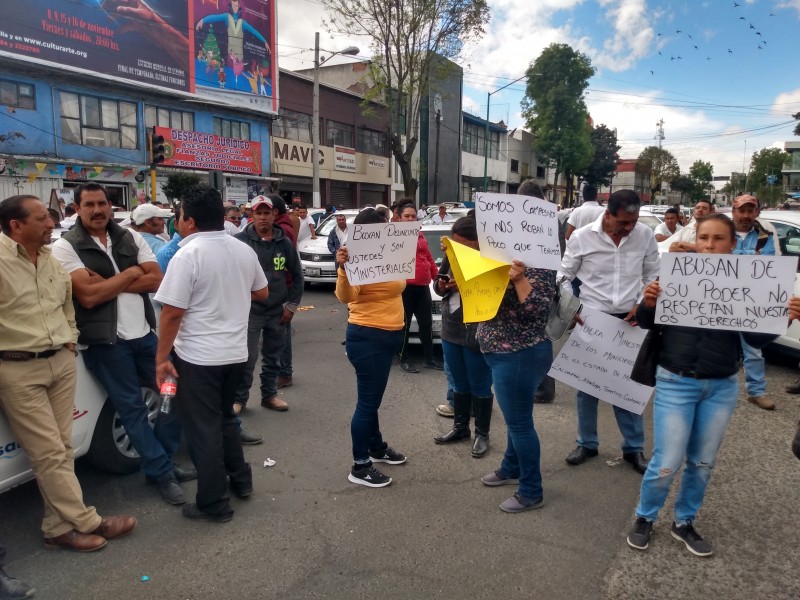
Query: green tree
x=555, y=111
x=177, y=183
x=407, y=39
x=796, y=117
x=663, y=166
x=683, y=184
x=766, y=162
x=703, y=174
x=604, y=161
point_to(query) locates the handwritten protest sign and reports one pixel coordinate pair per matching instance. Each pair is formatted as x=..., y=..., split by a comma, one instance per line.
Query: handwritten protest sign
x=482, y=282
x=381, y=252
x=518, y=227
x=598, y=358
x=726, y=291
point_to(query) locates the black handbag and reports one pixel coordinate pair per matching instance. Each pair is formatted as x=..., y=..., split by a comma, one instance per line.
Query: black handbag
x=644, y=368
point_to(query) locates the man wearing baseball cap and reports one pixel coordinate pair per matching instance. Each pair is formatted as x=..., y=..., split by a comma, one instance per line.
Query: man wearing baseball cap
x=753, y=238
x=148, y=219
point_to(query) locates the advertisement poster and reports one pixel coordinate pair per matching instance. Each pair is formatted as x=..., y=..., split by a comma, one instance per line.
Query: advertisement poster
x=222, y=49
x=195, y=150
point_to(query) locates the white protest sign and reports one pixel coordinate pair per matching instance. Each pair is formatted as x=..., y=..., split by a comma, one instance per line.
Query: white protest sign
x=598, y=358
x=381, y=252
x=518, y=227
x=726, y=291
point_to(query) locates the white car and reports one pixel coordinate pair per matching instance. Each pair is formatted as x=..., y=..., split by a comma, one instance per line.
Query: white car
x=433, y=234
x=453, y=214
x=787, y=226
x=318, y=263
x=96, y=433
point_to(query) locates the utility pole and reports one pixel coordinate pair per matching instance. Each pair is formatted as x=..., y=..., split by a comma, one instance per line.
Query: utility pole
x=659, y=132
x=437, y=106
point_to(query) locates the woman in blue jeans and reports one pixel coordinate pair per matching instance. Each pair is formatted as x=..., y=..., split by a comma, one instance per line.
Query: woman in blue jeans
x=374, y=335
x=519, y=355
x=696, y=394
x=472, y=379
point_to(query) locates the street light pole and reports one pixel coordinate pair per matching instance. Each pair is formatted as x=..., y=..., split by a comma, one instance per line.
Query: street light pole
x=486, y=133
x=350, y=50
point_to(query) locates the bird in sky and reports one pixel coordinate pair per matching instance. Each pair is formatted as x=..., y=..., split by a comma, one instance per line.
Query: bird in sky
x=678, y=31
x=680, y=58
x=696, y=48
x=730, y=51
x=742, y=19
x=752, y=26
x=758, y=33
x=690, y=36
x=659, y=53
x=651, y=73
x=771, y=14
x=672, y=58
x=708, y=58
x=735, y=5
x=658, y=34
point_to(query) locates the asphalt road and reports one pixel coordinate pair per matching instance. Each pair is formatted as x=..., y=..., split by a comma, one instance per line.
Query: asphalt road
x=436, y=532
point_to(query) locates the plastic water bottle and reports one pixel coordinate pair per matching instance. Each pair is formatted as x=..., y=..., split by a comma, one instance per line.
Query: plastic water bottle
x=168, y=390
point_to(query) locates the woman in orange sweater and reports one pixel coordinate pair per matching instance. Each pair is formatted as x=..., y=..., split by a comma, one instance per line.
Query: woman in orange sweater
x=374, y=336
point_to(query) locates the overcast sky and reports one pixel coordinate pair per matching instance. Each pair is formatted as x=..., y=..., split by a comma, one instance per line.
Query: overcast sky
x=722, y=77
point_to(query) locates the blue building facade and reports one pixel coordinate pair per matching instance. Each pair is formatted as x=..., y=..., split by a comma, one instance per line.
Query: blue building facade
x=59, y=129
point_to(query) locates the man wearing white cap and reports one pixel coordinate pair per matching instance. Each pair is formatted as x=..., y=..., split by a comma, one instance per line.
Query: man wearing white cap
x=148, y=220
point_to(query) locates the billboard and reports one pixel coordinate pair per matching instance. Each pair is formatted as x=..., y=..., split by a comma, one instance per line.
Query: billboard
x=216, y=49
x=195, y=150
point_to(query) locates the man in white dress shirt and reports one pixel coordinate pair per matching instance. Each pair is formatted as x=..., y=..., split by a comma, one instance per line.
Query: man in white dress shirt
x=613, y=257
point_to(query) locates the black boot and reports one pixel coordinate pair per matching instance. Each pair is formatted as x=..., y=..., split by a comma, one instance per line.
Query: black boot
x=546, y=392
x=483, y=419
x=460, y=430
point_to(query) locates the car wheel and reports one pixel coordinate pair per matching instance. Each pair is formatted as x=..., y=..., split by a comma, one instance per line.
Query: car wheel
x=111, y=449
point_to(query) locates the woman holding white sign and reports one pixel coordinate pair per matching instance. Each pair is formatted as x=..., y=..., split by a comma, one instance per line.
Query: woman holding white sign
x=472, y=379
x=519, y=355
x=374, y=335
x=696, y=393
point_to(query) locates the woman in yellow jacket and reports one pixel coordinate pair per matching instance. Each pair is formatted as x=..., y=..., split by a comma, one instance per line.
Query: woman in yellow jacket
x=374, y=336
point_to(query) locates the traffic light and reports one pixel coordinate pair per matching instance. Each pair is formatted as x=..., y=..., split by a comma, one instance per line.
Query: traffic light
x=157, y=149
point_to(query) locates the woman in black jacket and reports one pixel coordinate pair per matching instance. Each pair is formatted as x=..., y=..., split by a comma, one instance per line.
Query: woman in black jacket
x=472, y=379
x=696, y=393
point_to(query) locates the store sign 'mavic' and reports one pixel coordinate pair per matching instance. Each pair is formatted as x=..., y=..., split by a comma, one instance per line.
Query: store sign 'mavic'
x=206, y=151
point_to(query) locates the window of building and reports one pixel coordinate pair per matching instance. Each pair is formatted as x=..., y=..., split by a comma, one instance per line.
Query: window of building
x=371, y=142
x=292, y=125
x=167, y=117
x=231, y=129
x=93, y=121
x=539, y=172
x=339, y=134
x=473, y=137
x=514, y=166
x=17, y=95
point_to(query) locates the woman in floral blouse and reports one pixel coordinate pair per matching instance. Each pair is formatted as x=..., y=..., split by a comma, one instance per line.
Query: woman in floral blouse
x=519, y=355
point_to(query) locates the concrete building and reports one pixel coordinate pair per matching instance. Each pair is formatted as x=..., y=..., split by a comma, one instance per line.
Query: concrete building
x=791, y=171
x=522, y=161
x=355, y=168
x=631, y=174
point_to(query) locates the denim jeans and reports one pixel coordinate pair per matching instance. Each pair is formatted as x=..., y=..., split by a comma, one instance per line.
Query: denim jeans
x=286, y=355
x=690, y=417
x=123, y=369
x=470, y=373
x=755, y=377
x=264, y=328
x=370, y=351
x=516, y=375
x=630, y=425
x=450, y=384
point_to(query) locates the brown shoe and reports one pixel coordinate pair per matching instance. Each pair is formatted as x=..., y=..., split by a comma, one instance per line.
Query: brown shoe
x=762, y=402
x=284, y=381
x=115, y=527
x=75, y=540
x=275, y=403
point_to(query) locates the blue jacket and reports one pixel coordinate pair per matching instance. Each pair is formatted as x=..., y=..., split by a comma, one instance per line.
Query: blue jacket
x=757, y=241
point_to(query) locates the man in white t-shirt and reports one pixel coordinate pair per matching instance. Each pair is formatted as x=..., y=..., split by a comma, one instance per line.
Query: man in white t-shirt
x=307, y=227
x=422, y=212
x=113, y=271
x=441, y=216
x=203, y=343
x=586, y=213
x=670, y=225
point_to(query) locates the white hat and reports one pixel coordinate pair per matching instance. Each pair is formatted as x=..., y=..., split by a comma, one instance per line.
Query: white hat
x=143, y=212
x=260, y=201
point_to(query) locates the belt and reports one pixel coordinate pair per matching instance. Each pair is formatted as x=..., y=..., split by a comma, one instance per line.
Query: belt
x=21, y=355
x=690, y=374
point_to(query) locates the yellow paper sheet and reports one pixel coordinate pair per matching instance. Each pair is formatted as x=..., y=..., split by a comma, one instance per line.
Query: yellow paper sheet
x=481, y=281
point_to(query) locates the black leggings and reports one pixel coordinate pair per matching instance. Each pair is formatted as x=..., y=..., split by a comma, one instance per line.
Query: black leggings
x=417, y=302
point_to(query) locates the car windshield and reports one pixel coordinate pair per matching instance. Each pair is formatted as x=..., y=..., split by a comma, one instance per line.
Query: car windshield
x=330, y=223
x=452, y=215
x=651, y=221
x=433, y=238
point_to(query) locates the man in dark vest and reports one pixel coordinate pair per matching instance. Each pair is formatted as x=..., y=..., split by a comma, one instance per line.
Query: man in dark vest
x=113, y=270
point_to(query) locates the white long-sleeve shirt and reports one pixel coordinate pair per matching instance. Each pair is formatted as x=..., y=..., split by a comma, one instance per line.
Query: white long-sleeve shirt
x=612, y=277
